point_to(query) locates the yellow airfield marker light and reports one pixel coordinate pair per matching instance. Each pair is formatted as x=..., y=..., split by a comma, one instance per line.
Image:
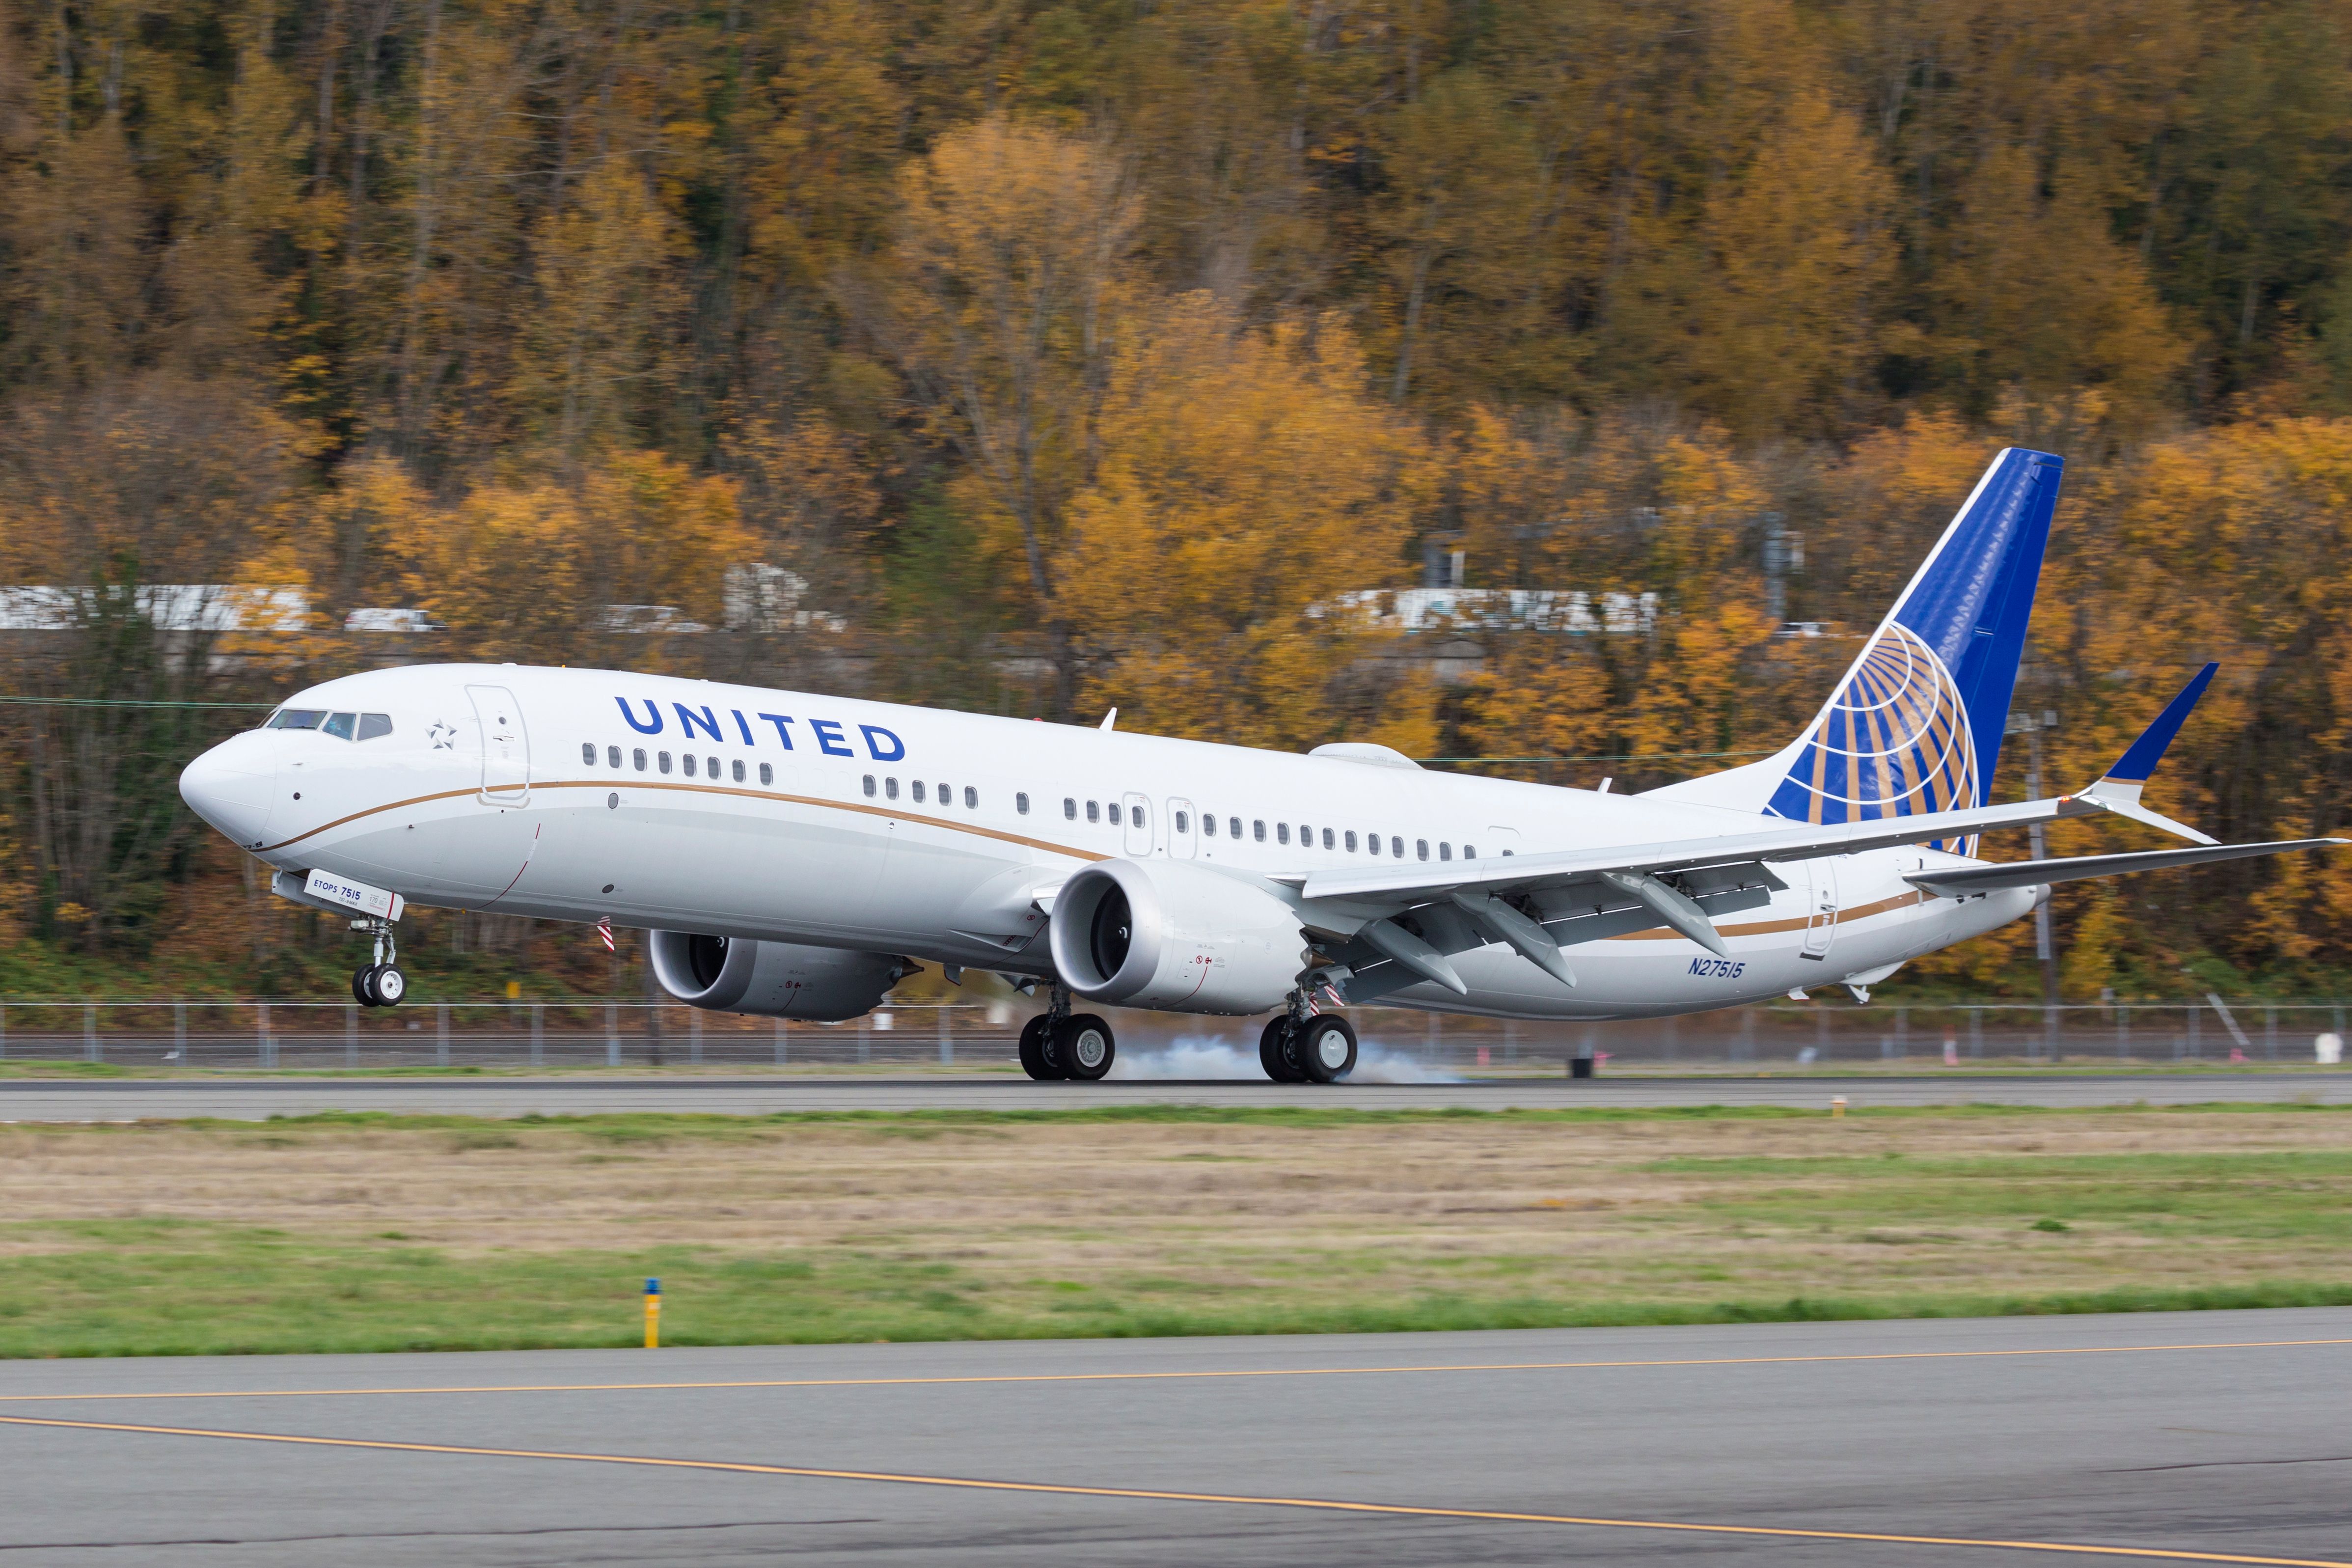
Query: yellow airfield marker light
x=1837, y=1106
x=652, y=1314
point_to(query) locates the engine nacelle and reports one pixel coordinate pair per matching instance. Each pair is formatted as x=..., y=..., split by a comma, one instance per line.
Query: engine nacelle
x=1174, y=936
x=772, y=979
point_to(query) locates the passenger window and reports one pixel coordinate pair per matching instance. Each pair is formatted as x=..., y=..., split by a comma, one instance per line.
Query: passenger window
x=1137, y=817
x=767, y=773
x=690, y=765
x=739, y=770
x=713, y=765
x=1468, y=853
x=1444, y=850
x=613, y=757
x=1069, y=809
x=342, y=725
x=1306, y=837
x=639, y=755
x=919, y=792
x=1183, y=822
x=374, y=724
x=588, y=753
x=1020, y=802
x=1326, y=840
x=972, y=799
x=1257, y=828
x=1282, y=833
x=1208, y=824
x=890, y=786
x=661, y=760
x=947, y=795
x=1351, y=841
x=1420, y=848
x=1093, y=811
x=1113, y=810
x=1396, y=847
x=869, y=787
x=1233, y=828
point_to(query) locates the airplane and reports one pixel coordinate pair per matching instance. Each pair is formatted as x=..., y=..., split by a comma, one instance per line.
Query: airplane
x=795, y=854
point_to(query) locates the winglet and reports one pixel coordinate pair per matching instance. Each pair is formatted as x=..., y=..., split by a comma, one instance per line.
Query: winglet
x=2118, y=789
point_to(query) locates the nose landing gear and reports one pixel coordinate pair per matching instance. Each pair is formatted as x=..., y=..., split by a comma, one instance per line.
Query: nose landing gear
x=381, y=984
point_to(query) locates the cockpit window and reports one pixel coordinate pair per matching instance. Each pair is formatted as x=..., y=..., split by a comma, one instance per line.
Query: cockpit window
x=374, y=724
x=296, y=718
x=341, y=725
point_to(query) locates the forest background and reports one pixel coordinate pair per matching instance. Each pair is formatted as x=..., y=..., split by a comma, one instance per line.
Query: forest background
x=1058, y=355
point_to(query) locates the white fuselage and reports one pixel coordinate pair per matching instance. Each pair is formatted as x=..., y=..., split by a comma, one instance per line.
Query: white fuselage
x=847, y=824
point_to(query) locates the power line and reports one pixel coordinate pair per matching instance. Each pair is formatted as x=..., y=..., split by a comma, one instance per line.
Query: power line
x=117, y=702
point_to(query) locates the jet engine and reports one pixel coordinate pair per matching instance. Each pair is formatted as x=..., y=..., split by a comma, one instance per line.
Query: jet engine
x=772, y=979
x=1174, y=936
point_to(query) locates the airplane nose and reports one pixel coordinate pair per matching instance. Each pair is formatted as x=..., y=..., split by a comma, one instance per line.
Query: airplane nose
x=232, y=786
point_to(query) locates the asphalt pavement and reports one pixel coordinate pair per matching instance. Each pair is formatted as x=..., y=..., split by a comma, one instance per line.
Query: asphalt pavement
x=255, y=1099
x=2215, y=1438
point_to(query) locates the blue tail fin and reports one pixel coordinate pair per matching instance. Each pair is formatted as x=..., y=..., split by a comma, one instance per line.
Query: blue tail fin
x=1915, y=724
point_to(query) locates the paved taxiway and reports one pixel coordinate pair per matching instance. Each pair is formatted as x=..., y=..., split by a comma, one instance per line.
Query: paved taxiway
x=2217, y=1437
x=57, y=1100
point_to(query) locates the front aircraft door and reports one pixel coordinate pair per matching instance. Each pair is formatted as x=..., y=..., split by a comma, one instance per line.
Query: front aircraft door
x=1821, y=912
x=506, y=746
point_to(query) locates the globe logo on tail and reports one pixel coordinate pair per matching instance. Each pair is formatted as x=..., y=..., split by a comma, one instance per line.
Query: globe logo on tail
x=1894, y=742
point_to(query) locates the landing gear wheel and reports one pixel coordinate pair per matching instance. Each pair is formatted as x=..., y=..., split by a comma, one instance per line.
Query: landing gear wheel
x=1277, y=1051
x=363, y=986
x=1326, y=1048
x=1084, y=1048
x=390, y=985
x=1035, y=1060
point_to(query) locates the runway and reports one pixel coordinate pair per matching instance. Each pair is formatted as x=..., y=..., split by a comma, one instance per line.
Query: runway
x=65, y=1099
x=2213, y=1438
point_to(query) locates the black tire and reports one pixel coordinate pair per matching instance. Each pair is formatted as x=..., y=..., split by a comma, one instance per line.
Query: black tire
x=363, y=986
x=1326, y=1048
x=1277, y=1051
x=390, y=985
x=1086, y=1048
x=1033, y=1048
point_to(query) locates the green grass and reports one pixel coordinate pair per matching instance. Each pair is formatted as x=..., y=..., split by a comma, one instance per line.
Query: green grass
x=161, y=1287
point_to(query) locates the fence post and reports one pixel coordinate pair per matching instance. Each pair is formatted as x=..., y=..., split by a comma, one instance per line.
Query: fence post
x=538, y=1034
x=694, y=1034
x=1976, y=1034
x=2122, y=1033
x=2196, y=1033
x=351, y=1034
x=781, y=1053
x=4, y=1031
x=2270, y=1033
x=179, y=1032
x=947, y=1041
x=863, y=1022
x=612, y=1034
x=1903, y=1033
x=90, y=1050
x=264, y=1046
x=441, y=1033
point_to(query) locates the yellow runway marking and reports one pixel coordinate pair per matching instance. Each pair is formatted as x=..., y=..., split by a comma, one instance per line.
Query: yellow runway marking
x=1173, y=1376
x=1325, y=1505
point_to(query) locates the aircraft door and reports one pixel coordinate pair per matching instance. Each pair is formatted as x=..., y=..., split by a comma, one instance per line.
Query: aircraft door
x=1138, y=826
x=1181, y=830
x=1820, y=910
x=506, y=746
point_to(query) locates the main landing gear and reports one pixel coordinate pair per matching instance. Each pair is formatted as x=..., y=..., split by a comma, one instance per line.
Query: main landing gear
x=1059, y=1044
x=381, y=984
x=1318, y=1048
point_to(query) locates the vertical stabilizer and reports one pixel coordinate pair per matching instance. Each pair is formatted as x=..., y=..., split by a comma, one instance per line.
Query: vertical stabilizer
x=1915, y=725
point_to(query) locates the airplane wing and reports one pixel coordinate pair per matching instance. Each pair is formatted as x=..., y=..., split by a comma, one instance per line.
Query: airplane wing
x=1797, y=841
x=1961, y=882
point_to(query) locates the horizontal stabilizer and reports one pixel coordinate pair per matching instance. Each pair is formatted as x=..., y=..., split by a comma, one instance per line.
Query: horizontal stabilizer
x=1961, y=882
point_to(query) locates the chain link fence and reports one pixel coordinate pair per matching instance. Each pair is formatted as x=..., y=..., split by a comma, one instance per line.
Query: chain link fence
x=575, y=1034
